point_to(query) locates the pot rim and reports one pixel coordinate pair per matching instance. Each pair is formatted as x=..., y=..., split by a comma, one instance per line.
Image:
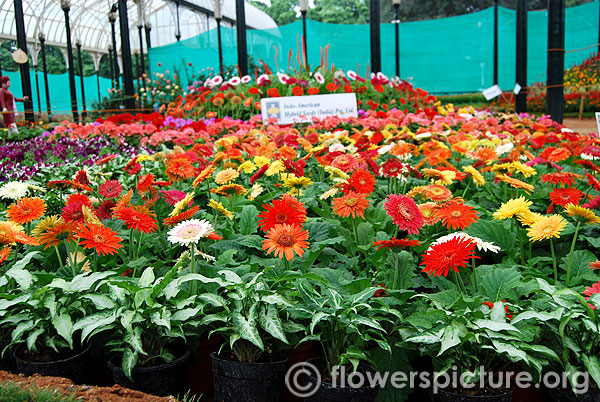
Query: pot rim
x=215, y=356
x=329, y=384
x=20, y=347
x=180, y=359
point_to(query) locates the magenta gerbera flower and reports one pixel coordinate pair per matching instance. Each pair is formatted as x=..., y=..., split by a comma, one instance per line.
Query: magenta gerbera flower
x=404, y=212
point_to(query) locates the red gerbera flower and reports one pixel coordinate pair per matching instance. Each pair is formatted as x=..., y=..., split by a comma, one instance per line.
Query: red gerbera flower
x=381, y=292
x=4, y=253
x=361, y=181
x=395, y=243
x=293, y=201
x=110, y=189
x=259, y=173
x=62, y=184
x=404, y=212
x=104, y=210
x=172, y=197
x=180, y=168
x=72, y=211
x=592, y=290
x=456, y=214
x=145, y=183
x=183, y=216
x=452, y=253
x=564, y=196
x=81, y=177
x=592, y=181
x=104, y=240
x=137, y=218
x=105, y=159
x=278, y=213
x=563, y=178
x=393, y=168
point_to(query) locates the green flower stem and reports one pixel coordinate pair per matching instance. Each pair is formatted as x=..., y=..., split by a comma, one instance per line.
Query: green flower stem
x=474, y=275
x=58, y=256
x=194, y=285
x=467, y=188
x=286, y=263
x=131, y=240
x=553, y=260
x=95, y=262
x=355, y=233
x=571, y=252
x=137, y=254
x=520, y=232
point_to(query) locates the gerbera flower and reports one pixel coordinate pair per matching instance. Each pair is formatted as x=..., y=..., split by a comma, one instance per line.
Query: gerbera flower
x=546, y=227
x=581, y=212
x=457, y=215
x=594, y=265
x=104, y=240
x=404, y=212
x=346, y=163
x=274, y=168
x=145, y=183
x=563, y=178
x=481, y=245
x=179, y=169
x=277, y=213
x=329, y=193
x=393, y=168
x=259, y=173
x=352, y=203
x=516, y=183
x=512, y=207
x=204, y=174
x=453, y=253
x=440, y=177
x=225, y=176
x=592, y=290
x=4, y=253
x=297, y=184
x=594, y=203
x=110, y=189
x=285, y=240
x=59, y=232
x=106, y=159
x=61, y=184
x=475, y=174
x=182, y=216
x=228, y=190
x=217, y=206
x=136, y=218
x=13, y=190
x=528, y=218
x=429, y=211
x=12, y=233
x=436, y=193
x=72, y=211
x=26, y=210
x=172, y=197
x=506, y=312
x=89, y=216
x=81, y=177
x=45, y=224
x=255, y=191
x=361, y=181
x=190, y=232
x=592, y=181
x=564, y=196
x=395, y=243
x=525, y=170
x=293, y=201
x=104, y=210
x=181, y=204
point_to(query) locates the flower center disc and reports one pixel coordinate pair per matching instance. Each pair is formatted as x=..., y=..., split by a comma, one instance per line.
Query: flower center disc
x=351, y=202
x=285, y=240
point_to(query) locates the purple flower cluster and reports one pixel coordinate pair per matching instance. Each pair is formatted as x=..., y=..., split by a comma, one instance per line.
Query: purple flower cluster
x=178, y=123
x=22, y=160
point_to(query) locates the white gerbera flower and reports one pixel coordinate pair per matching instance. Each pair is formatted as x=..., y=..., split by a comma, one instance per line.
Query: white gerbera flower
x=481, y=245
x=14, y=190
x=246, y=79
x=504, y=148
x=256, y=190
x=190, y=231
x=235, y=81
x=319, y=78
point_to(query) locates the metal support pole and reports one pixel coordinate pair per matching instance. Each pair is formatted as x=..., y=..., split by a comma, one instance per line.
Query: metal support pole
x=556, y=59
x=220, y=45
x=66, y=6
x=98, y=85
x=112, y=67
x=495, y=42
x=178, y=33
x=84, y=111
x=375, y=25
x=521, y=101
x=112, y=18
x=22, y=44
x=148, y=28
x=37, y=90
x=126, y=56
x=242, y=46
x=141, y=49
x=304, y=47
x=0, y=66
x=397, y=29
x=42, y=39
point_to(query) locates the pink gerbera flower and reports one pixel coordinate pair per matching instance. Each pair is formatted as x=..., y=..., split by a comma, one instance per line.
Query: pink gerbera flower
x=345, y=163
x=404, y=212
x=172, y=197
x=110, y=189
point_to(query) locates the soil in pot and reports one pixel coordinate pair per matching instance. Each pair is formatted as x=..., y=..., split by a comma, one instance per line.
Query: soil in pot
x=162, y=380
x=7, y=360
x=73, y=364
x=493, y=395
x=247, y=382
x=199, y=371
x=327, y=392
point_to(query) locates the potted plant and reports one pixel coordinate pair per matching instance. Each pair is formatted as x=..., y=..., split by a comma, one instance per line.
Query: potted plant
x=347, y=325
x=44, y=319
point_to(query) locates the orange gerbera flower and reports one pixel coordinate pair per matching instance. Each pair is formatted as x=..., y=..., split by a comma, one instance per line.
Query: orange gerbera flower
x=182, y=216
x=351, y=204
x=204, y=174
x=26, y=210
x=562, y=178
x=104, y=240
x=455, y=215
x=361, y=181
x=433, y=192
x=137, y=218
x=179, y=169
x=62, y=231
x=516, y=183
x=229, y=189
x=430, y=213
x=4, y=254
x=285, y=240
x=12, y=233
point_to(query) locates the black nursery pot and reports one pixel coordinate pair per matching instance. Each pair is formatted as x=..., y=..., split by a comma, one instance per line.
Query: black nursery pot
x=247, y=382
x=326, y=392
x=567, y=395
x=161, y=380
x=7, y=361
x=75, y=368
x=446, y=396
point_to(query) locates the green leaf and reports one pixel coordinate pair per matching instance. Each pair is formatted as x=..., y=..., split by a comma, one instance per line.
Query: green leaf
x=93, y=322
x=231, y=276
x=130, y=358
x=493, y=231
x=213, y=299
x=101, y=302
x=512, y=352
x=451, y=337
x=147, y=278
x=270, y=321
x=365, y=233
x=498, y=283
x=316, y=319
x=579, y=265
x=185, y=314
x=226, y=258
x=402, y=268
x=134, y=339
x=539, y=316
x=592, y=365
x=248, y=220
x=247, y=330
x=23, y=262
x=32, y=338
x=161, y=317
x=64, y=327
x=495, y=325
x=21, y=276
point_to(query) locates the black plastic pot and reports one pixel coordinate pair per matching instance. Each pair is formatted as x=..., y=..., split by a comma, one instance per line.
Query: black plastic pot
x=7, y=361
x=446, y=396
x=75, y=368
x=326, y=392
x=161, y=380
x=567, y=395
x=247, y=382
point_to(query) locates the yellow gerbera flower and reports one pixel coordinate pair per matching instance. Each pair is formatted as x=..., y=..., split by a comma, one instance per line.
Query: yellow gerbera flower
x=516, y=183
x=546, y=228
x=477, y=177
x=275, y=167
x=255, y=191
x=260, y=161
x=512, y=207
x=204, y=174
x=296, y=184
x=47, y=223
x=329, y=193
x=217, y=206
x=581, y=212
x=248, y=167
x=525, y=170
x=143, y=158
x=528, y=218
x=181, y=204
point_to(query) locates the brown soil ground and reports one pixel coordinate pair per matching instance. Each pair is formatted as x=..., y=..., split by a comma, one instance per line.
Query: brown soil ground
x=83, y=392
x=584, y=126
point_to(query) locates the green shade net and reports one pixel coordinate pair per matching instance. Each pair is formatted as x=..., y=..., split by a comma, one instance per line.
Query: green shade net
x=442, y=56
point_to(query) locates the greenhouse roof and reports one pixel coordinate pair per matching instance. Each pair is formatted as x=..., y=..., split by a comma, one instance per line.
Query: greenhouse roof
x=90, y=24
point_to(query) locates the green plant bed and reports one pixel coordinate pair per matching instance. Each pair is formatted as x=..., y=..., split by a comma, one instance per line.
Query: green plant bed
x=11, y=392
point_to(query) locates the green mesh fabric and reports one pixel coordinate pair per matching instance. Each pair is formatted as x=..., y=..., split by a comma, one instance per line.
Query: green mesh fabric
x=445, y=55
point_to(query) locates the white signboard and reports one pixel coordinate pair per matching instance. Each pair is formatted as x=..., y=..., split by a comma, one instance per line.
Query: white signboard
x=517, y=89
x=492, y=92
x=598, y=121
x=301, y=109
